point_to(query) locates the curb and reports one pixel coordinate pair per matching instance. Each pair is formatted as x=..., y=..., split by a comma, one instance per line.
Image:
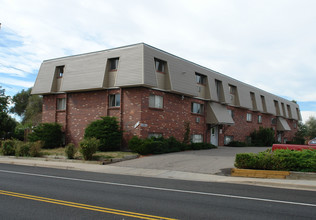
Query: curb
x=273, y=174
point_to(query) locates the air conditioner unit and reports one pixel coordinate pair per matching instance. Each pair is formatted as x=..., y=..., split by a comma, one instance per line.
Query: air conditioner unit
x=197, y=120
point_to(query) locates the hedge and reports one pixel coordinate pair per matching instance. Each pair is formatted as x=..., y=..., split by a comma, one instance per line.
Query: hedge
x=163, y=145
x=285, y=160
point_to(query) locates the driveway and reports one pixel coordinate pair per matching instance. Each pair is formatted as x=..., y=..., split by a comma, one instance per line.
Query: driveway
x=214, y=161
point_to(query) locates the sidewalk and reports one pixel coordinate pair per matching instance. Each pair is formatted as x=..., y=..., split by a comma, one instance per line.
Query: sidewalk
x=159, y=173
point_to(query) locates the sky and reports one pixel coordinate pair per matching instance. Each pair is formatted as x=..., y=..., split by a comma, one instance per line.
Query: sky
x=268, y=44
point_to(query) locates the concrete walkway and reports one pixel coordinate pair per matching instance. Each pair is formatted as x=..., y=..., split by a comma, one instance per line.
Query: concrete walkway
x=197, y=166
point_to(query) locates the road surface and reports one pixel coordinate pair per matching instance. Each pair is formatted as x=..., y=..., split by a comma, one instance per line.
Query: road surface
x=43, y=193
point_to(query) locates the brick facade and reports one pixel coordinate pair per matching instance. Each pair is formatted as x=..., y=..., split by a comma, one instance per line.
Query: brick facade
x=85, y=107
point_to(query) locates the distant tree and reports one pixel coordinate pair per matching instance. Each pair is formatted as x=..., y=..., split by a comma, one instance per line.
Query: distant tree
x=311, y=127
x=28, y=106
x=33, y=111
x=301, y=134
x=20, y=101
x=7, y=123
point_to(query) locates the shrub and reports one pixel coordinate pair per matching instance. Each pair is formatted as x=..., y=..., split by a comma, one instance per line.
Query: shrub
x=35, y=148
x=237, y=144
x=263, y=137
x=23, y=149
x=286, y=160
x=49, y=133
x=70, y=150
x=88, y=147
x=201, y=146
x=8, y=147
x=107, y=130
x=162, y=145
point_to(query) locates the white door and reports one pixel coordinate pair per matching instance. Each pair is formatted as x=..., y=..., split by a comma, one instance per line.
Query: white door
x=214, y=135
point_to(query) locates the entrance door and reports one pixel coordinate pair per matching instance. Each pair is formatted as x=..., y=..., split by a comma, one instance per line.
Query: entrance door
x=214, y=135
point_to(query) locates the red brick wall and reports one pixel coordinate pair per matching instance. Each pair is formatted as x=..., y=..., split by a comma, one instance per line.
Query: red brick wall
x=85, y=107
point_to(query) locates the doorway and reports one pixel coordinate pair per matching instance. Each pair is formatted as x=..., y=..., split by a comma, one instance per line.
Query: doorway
x=214, y=135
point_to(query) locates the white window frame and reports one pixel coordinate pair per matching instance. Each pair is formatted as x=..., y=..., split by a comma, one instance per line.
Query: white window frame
x=197, y=138
x=259, y=119
x=155, y=101
x=61, y=104
x=114, y=100
x=155, y=135
x=249, y=117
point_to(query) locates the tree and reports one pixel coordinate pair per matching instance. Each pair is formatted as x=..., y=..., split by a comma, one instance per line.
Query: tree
x=311, y=127
x=20, y=101
x=33, y=111
x=7, y=123
x=28, y=106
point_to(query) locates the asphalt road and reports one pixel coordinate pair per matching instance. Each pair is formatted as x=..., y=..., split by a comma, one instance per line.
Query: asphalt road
x=44, y=193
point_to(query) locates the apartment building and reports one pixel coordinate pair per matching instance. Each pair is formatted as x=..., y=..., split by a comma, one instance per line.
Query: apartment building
x=154, y=93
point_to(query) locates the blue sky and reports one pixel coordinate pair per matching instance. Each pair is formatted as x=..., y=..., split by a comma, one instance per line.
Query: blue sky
x=269, y=44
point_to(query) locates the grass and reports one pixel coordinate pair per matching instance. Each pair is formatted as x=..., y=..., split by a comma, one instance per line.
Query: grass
x=58, y=152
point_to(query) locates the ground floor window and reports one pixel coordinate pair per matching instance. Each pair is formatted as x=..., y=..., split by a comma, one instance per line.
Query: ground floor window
x=61, y=104
x=228, y=139
x=155, y=135
x=259, y=119
x=197, y=138
x=249, y=117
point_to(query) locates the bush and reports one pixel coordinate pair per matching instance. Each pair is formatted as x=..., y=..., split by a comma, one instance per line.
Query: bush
x=8, y=147
x=200, y=146
x=23, y=149
x=162, y=145
x=88, y=147
x=263, y=137
x=237, y=144
x=35, y=148
x=70, y=150
x=107, y=130
x=49, y=133
x=285, y=160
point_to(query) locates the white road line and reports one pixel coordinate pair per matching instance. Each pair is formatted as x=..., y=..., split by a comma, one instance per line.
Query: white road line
x=161, y=189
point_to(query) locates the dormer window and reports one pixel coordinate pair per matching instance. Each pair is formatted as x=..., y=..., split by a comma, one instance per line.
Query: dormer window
x=60, y=71
x=160, y=65
x=113, y=64
x=200, y=79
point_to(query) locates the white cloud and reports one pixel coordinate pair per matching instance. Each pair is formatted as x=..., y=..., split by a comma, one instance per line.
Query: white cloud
x=307, y=114
x=269, y=44
x=16, y=82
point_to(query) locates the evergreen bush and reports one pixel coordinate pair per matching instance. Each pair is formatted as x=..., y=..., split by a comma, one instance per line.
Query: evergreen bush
x=237, y=144
x=107, y=130
x=49, y=133
x=22, y=149
x=88, y=147
x=262, y=137
x=285, y=160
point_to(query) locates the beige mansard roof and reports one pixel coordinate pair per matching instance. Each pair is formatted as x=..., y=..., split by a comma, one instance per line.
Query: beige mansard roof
x=136, y=67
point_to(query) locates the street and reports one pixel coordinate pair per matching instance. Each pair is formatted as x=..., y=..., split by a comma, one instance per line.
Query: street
x=43, y=193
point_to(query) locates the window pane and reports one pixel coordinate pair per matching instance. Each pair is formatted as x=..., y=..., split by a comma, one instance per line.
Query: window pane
x=159, y=102
x=61, y=104
x=117, y=99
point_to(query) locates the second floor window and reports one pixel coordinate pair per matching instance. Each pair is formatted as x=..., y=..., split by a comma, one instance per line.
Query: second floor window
x=60, y=71
x=114, y=100
x=155, y=101
x=113, y=64
x=259, y=119
x=200, y=79
x=160, y=65
x=197, y=108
